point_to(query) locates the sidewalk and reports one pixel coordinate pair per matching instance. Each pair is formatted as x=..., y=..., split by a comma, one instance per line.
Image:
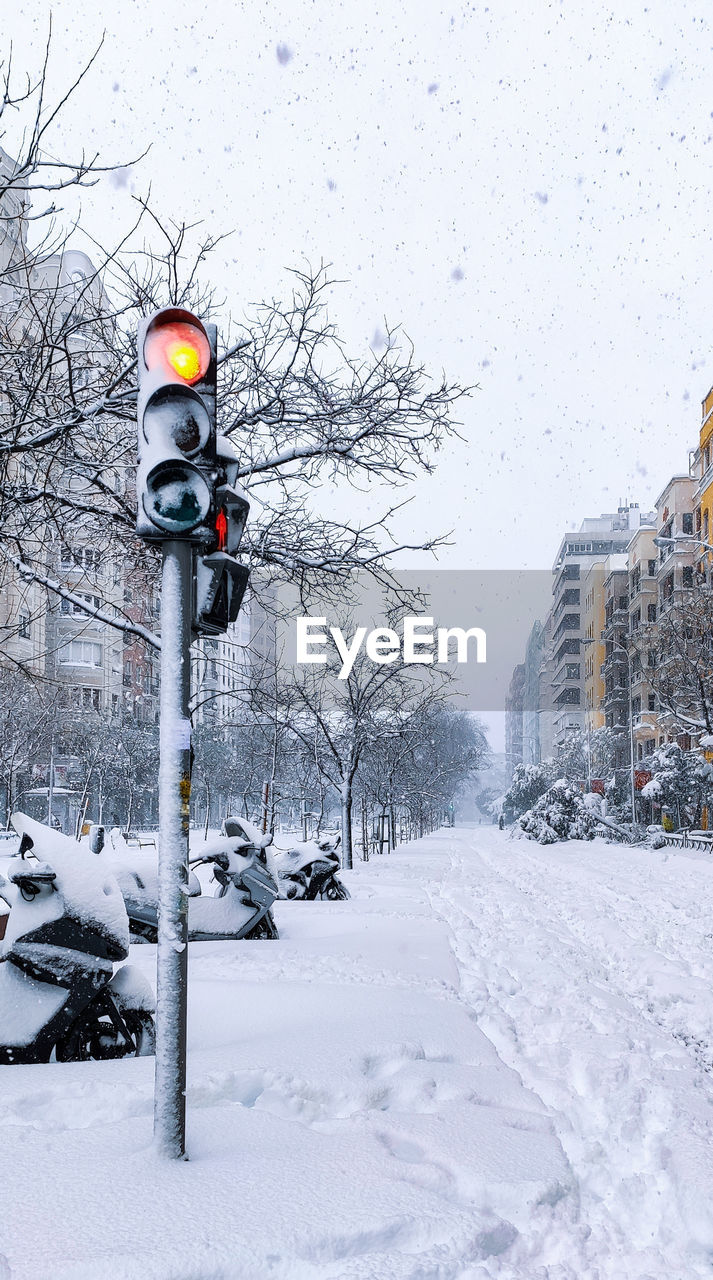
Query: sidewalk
x=347, y=1118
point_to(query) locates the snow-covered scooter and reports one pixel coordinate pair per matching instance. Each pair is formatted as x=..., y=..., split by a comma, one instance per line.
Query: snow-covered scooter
x=239, y=907
x=306, y=868
x=67, y=927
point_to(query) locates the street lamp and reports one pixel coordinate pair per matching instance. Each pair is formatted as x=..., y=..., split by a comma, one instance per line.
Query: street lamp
x=683, y=537
x=622, y=648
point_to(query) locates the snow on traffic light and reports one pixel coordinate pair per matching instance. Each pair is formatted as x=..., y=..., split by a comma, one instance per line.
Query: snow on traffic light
x=176, y=411
x=220, y=580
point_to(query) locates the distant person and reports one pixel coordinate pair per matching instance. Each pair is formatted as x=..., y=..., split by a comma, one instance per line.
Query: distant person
x=501, y=822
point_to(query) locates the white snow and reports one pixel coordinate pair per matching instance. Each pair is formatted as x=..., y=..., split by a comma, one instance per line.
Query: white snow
x=86, y=887
x=495, y=1060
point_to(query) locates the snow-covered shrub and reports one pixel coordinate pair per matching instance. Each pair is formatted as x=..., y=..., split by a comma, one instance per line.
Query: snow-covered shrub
x=560, y=814
x=617, y=793
x=529, y=782
x=682, y=781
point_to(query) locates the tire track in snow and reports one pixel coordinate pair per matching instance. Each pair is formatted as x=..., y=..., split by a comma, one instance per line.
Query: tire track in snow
x=615, y=1082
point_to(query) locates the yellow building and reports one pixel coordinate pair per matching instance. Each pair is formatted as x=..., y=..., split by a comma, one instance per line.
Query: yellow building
x=593, y=654
x=643, y=562
x=704, y=467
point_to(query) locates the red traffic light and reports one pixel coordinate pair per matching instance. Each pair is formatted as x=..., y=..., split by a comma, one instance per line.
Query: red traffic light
x=178, y=345
x=221, y=530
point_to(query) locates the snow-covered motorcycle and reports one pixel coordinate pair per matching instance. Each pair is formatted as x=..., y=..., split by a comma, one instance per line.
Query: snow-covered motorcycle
x=305, y=868
x=235, y=903
x=59, y=994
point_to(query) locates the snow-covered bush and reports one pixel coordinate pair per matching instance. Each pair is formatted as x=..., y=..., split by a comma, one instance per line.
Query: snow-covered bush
x=560, y=814
x=529, y=782
x=675, y=777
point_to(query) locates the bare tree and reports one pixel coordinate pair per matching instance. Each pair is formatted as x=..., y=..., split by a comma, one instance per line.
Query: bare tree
x=342, y=721
x=676, y=654
x=300, y=410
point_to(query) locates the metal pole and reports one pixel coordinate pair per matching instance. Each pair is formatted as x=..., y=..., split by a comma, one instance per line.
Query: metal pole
x=265, y=804
x=50, y=786
x=174, y=798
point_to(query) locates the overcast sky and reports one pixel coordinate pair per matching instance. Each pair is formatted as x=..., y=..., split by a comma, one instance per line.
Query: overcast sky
x=525, y=187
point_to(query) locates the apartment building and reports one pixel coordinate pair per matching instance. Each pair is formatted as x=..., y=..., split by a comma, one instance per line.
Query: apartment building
x=616, y=666
x=534, y=678
x=597, y=539
x=642, y=564
x=592, y=647
x=513, y=720
x=702, y=467
x=223, y=665
x=676, y=513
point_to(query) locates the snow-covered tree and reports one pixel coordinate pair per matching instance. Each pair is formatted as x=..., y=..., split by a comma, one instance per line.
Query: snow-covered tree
x=677, y=653
x=529, y=782
x=681, y=780
x=560, y=814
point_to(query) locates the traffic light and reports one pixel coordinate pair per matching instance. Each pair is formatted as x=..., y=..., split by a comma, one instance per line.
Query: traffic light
x=221, y=580
x=176, y=409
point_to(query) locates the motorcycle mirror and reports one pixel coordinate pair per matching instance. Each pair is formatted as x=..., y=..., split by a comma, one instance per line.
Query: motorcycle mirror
x=26, y=843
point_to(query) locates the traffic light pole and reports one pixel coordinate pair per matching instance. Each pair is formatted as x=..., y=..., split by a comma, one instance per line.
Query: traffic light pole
x=174, y=798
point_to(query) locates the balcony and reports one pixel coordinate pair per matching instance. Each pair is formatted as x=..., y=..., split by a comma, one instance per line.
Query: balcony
x=646, y=587
x=570, y=622
x=568, y=597
x=568, y=697
x=617, y=656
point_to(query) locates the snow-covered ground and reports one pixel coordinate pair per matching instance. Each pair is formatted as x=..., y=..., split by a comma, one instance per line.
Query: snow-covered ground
x=496, y=1060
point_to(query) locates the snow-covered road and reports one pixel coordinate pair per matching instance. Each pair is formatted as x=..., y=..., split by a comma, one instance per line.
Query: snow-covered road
x=496, y=1060
x=590, y=969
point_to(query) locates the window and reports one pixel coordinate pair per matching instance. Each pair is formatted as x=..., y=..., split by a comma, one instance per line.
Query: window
x=652, y=568
x=688, y=575
x=24, y=627
x=81, y=653
x=651, y=613
x=652, y=702
x=91, y=699
x=687, y=522
x=649, y=746
x=71, y=607
x=79, y=557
